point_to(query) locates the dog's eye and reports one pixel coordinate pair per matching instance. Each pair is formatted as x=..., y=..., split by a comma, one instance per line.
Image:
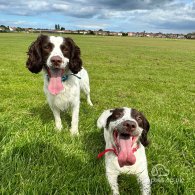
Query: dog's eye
x=64, y=49
x=118, y=115
x=139, y=119
x=46, y=46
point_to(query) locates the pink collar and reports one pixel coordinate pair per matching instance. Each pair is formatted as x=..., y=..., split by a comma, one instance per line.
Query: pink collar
x=114, y=150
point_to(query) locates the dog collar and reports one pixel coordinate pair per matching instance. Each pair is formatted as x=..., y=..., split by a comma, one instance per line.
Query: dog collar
x=115, y=151
x=63, y=78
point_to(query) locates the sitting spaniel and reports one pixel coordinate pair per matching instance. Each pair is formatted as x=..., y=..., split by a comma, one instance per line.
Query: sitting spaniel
x=64, y=76
x=125, y=133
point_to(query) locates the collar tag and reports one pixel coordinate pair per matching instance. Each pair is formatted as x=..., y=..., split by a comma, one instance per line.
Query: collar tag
x=64, y=78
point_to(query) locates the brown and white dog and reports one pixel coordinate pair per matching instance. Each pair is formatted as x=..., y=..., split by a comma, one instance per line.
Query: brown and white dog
x=125, y=134
x=64, y=76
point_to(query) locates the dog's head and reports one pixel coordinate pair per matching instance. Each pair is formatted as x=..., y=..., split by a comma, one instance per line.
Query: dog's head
x=123, y=127
x=56, y=53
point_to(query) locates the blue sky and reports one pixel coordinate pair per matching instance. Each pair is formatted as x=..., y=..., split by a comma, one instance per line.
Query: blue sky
x=176, y=16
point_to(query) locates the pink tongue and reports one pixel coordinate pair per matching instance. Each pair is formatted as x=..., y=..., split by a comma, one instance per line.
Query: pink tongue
x=126, y=156
x=55, y=83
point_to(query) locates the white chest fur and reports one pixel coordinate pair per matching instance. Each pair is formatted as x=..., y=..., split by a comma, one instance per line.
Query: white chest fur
x=140, y=165
x=69, y=96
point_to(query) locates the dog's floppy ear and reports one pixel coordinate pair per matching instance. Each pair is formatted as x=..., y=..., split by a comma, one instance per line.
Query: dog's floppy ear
x=143, y=123
x=75, y=63
x=35, y=59
x=102, y=120
x=146, y=127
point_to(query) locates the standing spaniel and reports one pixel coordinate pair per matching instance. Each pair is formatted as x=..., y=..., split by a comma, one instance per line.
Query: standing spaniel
x=59, y=58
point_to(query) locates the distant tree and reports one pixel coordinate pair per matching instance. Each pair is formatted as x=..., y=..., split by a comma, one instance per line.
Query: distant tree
x=91, y=32
x=19, y=29
x=190, y=35
x=100, y=30
x=62, y=28
x=5, y=28
x=57, y=27
x=124, y=34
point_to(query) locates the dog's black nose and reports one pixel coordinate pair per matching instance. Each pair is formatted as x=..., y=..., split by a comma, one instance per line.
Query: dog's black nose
x=56, y=60
x=130, y=125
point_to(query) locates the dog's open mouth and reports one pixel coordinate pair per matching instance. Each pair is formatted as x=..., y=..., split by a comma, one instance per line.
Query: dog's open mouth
x=55, y=81
x=124, y=143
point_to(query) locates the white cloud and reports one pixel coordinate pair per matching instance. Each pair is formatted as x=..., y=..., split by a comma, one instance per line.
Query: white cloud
x=36, y=5
x=92, y=26
x=62, y=7
x=111, y=14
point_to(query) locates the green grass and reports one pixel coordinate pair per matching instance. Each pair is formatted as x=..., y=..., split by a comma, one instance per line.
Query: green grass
x=156, y=76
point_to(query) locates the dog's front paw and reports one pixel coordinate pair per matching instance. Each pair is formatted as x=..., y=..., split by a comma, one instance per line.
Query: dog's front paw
x=74, y=132
x=115, y=192
x=89, y=102
x=59, y=127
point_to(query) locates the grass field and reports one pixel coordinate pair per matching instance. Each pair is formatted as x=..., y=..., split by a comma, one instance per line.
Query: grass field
x=156, y=76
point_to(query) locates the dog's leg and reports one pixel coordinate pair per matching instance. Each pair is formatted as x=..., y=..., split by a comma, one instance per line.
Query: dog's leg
x=75, y=119
x=86, y=89
x=89, y=100
x=84, y=84
x=112, y=179
x=58, y=122
x=144, y=182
